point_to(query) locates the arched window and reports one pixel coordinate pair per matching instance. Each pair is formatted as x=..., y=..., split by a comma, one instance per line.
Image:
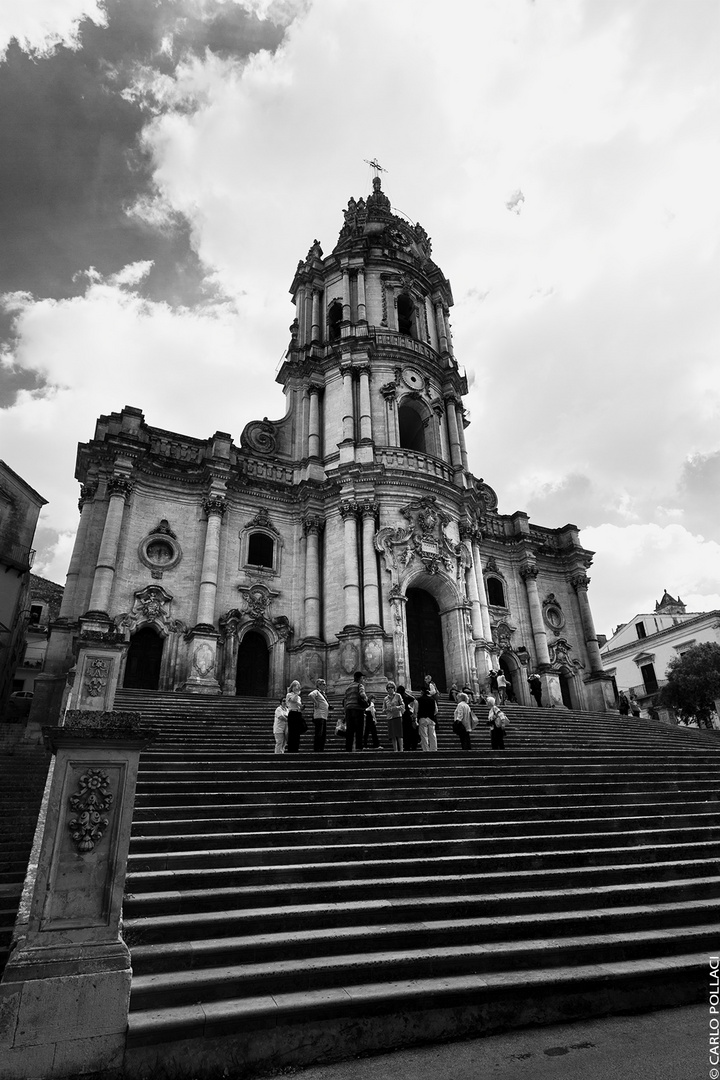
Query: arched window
x=412, y=429
x=495, y=592
x=261, y=550
x=406, y=315
x=335, y=317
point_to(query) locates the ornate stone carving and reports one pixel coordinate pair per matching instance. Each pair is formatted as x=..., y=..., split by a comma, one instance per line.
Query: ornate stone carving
x=98, y=673
x=87, y=492
x=553, y=614
x=262, y=521
x=159, y=550
x=529, y=570
x=560, y=654
x=203, y=660
x=214, y=504
x=151, y=605
x=580, y=581
x=313, y=523
x=372, y=656
x=260, y=436
x=423, y=540
x=349, y=657
x=389, y=392
x=119, y=485
x=92, y=799
x=348, y=508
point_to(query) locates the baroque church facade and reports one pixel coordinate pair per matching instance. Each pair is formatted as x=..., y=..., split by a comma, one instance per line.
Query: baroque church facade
x=349, y=535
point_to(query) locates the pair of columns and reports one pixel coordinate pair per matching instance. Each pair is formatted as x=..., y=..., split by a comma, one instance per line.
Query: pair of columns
x=310, y=328
x=366, y=511
x=348, y=424
x=580, y=583
x=479, y=614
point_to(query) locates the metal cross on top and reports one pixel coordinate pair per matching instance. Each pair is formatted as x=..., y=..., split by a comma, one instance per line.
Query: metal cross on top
x=375, y=164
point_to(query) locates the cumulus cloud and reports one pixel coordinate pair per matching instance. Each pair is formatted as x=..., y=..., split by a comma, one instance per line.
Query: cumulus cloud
x=40, y=26
x=515, y=201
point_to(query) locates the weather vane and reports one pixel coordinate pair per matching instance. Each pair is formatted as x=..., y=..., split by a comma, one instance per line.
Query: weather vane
x=374, y=164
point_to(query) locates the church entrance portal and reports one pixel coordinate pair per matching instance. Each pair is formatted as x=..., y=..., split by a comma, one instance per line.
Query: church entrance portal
x=142, y=669
x=425, y=639
x=253, y=667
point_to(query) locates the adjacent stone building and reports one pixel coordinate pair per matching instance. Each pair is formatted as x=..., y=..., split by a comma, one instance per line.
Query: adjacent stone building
x=350, y=534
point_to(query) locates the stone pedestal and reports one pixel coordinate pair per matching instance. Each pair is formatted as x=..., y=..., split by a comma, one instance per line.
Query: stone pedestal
x=101, y=651
x=551, y=692
x=65, y=992
x=600, y=692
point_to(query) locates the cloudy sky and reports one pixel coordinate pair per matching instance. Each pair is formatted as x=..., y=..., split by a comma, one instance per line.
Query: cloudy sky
x=165, y=163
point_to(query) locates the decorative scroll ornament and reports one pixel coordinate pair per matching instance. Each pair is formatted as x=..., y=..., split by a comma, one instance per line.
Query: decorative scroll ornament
x=260, y=436
x=203, y=660
x=152, y=605
x=90, y=802
x=424, y=540
x=502, y=635
x=560, y=654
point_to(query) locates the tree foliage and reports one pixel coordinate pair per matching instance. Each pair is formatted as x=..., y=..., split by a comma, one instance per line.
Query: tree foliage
x=693, y=683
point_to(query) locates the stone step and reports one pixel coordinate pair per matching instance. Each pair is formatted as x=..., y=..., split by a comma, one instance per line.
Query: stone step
x=142, y=899
x=314, y=972
x=366, y=911
x=412, y=833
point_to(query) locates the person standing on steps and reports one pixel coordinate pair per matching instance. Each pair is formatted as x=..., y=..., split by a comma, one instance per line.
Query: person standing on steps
x=634, y=705
x=535, y=684
x=427, y=713
x=393, y=707
x=623, y=703
x=280, y=727
x=296, y=721
x=501, y=687
x=497, y=722
x=493, y=681
x=321, y=711
x=355, y=702
x=411, y=735
x=371, y=737
x=463, y=721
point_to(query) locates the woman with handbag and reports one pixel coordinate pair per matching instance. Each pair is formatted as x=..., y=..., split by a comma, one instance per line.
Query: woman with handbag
x=497, y=722
x=393, y=707
x=296, y=720
x=410, y=733
x=463, y=721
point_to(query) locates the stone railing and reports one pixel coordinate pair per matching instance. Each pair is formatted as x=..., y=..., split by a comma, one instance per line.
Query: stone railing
x=399, y=458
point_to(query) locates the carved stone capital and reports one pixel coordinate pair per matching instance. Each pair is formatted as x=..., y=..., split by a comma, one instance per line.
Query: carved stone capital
x=214, y=505
x=313, y=523
x=580, y=582
x=348, y=509
x=529, y=572
x=119, y=485
x=87, y=492
x=368, y=508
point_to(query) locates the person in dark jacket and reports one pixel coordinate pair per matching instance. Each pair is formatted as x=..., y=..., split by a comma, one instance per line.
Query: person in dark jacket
x=355, y=702
x=411, y=735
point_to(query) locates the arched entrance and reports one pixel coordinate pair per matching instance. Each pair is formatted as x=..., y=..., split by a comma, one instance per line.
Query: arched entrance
x=142, y=668
x=253, y=666
x=510, y=672
x=425, y=639
x=566, y=688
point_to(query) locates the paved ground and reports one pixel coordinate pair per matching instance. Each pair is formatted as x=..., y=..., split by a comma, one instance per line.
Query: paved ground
x=672, y=1044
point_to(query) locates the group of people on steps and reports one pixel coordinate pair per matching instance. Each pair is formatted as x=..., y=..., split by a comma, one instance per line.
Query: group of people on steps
x=411, y=720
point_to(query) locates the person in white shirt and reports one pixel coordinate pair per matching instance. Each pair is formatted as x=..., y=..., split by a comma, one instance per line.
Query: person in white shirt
x=502, y=687
x=321, y=711
x=280, y=727
x=463, y=721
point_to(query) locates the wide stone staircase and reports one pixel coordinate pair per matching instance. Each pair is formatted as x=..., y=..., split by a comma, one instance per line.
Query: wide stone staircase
x=23, y=772
x=282, y=909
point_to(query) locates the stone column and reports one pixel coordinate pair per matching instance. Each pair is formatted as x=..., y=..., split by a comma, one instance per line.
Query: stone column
x=203, y=636
x=389, y=392
x=214, y=508
x=529, y=573
x=362, y=311
x=351, y=587
x=119, y=487
x=478, y=630
x=482, y=598
x=390, y=306
x=315, y=330
x=347, y=307
x=313, y=526
x=314, y=432
x=455, y=453
x=65, y=993
x=371, y=589
x=67, y=607
x=580, y=583
x=347, y=446
x=460, y=420
x=365, y=413
x=440, y=326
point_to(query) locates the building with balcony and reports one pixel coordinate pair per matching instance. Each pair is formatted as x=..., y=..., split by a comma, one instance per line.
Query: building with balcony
x=20, y=507
x=637, y=654
x=43, y=607
x=349, y=534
